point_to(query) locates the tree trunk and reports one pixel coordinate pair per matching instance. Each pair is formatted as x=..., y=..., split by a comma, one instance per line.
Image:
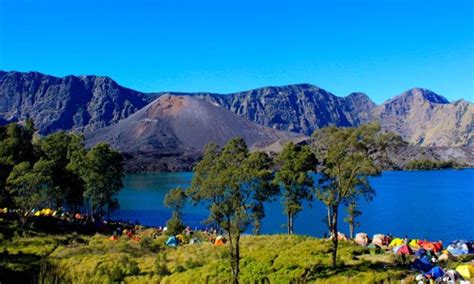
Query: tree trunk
x=334, y=236
x=329, y=220
x=235, y=275
x=351, y=229
x=235, y=257
x=290, y=224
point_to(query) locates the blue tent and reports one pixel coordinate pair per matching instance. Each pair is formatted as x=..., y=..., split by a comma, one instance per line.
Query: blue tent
x=426, y=259
x=435, y=273
x=419, y=253
x=460, y=247
x=172, y=241
x=421, y=266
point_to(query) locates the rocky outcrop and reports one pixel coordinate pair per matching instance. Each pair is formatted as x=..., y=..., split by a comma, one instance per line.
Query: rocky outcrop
x=82, y=103
x=301, y=108
x=424, y=118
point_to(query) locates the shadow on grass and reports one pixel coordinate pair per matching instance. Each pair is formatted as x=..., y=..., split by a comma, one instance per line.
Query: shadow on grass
x=324, y=272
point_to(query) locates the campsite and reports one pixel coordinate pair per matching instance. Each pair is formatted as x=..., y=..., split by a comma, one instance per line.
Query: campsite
x=120, y=252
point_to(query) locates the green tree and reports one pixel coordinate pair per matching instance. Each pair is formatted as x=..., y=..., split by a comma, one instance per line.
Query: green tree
x=15, y=147
x=102, y=172
x=31, y=186
x=353, y=212
x=347, y=158
x=67, y=186
x=259, y=168
x=295, y=163
x=175, y=199
x=226, y=180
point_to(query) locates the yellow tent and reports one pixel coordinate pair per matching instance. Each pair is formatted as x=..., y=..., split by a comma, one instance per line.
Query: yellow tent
x=466, y=271
x=47, y=212
x=37, y=213
x=414, y=244
x=396, y=242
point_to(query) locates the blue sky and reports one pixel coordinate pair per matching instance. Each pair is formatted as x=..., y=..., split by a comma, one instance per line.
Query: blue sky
x=378, y=47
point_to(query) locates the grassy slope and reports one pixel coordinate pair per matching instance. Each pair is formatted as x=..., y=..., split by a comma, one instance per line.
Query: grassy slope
x=277, y=258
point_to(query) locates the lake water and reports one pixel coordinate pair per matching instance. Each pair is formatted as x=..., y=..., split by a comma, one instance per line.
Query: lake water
x=437, y=205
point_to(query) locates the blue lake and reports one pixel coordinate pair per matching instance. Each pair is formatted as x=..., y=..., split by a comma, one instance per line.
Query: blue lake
x=437, y=205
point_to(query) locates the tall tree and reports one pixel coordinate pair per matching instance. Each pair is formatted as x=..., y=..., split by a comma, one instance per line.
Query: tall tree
x=295, y=164
x=102, y=173
x=226, y=180
x=258, y=167
x=31, y=186
x=175, y=199
x=15, y=147
x=353, y=212
x=66, y=184
x=347, y=157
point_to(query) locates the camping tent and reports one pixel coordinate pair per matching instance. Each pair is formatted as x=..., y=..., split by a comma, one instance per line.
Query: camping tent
x=379, y=240
x=460, y=247
x=419, y=253
x=434, y=246
x=172, y=241
x=362, y=239
x=219, y=241
x=414, y=244
x=405, y=250
x=466, y=270
x=421, y=266
x=446, y=255
x=435, y=272
x=396, y=242
x=194, y=240
x=452, y=275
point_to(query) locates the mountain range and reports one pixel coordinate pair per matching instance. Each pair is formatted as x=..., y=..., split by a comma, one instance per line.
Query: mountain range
x=173, y=124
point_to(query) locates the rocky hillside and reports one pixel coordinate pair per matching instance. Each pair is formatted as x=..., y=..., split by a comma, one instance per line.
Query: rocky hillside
x=422, y=117
x=300, y=108
x=88, y=103
x=80, y=103
x=174, y=128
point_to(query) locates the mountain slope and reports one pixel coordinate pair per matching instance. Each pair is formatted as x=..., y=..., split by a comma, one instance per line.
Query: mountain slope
x=176, y=126
x=88, y=103
x=301, y=108
x=422, y=117
x=80, y=103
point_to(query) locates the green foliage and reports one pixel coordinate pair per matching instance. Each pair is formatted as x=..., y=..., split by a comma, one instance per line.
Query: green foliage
x=176, y=200
x=15, y=147
x=430, y=165
x=31, y=187
x=56, y=170
x=295, y=163
x=347, y=157
x=175, y=225
x=102, y=173
x=235, y=184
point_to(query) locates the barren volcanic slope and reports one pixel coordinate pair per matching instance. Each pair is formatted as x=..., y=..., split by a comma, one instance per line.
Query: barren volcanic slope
x=173, y=127
x=80, y=103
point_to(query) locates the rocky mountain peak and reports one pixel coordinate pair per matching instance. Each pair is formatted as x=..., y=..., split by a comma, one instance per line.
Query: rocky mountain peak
x=422, y=95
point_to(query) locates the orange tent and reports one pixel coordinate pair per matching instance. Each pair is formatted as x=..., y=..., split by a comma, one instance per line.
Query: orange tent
x=219, y=241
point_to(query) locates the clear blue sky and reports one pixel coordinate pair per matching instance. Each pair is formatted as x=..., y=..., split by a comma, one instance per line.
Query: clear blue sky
x=378, y=47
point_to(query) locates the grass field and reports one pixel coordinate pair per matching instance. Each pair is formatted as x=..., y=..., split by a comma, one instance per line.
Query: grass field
x=27, y=255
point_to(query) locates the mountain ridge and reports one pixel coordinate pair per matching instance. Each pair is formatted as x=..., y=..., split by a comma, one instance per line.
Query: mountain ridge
x=87, y=103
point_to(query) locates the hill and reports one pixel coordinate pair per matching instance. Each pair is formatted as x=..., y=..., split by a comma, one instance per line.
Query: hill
x=172, y=127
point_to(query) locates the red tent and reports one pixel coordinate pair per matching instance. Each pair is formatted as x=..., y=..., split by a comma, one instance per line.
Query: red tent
x=406, y=250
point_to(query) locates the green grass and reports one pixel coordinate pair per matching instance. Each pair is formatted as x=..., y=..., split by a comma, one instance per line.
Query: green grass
x=268, y=258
